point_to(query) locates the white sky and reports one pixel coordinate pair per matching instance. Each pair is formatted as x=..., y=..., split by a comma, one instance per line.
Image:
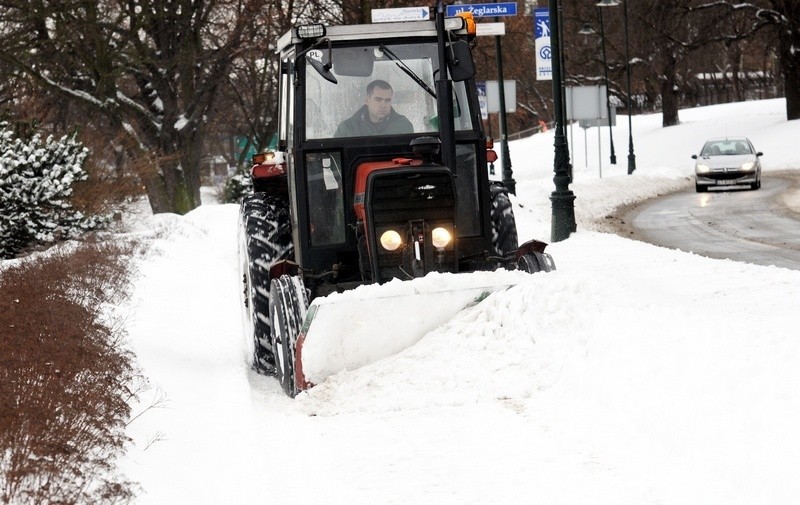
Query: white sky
x=633, y=374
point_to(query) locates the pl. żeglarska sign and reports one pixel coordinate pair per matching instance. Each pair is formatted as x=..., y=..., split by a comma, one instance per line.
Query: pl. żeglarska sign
x=484, y=10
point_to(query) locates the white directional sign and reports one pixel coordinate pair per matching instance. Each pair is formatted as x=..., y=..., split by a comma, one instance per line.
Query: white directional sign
x=400, y=14
x=490, y=29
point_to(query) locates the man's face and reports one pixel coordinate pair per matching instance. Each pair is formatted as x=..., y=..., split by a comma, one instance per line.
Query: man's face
x=379, y=104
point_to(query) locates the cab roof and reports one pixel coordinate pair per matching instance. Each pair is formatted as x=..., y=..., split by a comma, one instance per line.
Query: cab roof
x=405, y=29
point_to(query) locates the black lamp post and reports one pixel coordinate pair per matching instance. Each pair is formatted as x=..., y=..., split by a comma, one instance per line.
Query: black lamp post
x=605, y=70
x=563, y=200
x=631, y=155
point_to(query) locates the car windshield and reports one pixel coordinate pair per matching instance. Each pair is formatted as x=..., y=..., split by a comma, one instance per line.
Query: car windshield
x=380, y=90
x=727, y=147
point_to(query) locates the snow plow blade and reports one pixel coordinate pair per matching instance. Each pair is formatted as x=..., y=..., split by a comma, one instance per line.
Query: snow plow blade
x=345, y=331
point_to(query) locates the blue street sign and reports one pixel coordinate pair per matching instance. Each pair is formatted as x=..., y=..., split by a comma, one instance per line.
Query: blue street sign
x=484, y=10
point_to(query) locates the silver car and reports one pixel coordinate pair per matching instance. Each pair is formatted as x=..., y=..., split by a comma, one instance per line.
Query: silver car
x=727, y=162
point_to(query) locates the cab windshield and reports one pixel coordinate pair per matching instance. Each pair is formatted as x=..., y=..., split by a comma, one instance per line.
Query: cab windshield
x=381, y=90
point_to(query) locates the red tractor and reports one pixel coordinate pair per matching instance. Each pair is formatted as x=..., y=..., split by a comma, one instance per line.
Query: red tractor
x=380, y=173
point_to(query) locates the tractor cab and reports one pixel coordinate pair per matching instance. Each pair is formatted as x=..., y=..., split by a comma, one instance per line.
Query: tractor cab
x=356, y=103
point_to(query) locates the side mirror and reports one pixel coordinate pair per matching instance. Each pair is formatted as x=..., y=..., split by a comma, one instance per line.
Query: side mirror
x=694, y=156
x=323, y=69
x=459, y=61
x=759, y=153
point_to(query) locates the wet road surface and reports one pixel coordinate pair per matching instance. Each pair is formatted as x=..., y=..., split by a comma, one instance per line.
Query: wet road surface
x=760, y=227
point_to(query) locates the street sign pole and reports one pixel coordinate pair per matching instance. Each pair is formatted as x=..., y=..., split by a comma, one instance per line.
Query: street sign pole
x=508, y=174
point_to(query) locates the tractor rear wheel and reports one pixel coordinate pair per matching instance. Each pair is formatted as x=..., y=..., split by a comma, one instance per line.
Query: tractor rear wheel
x=504, y=226
x=289, y=305
x=265, y=236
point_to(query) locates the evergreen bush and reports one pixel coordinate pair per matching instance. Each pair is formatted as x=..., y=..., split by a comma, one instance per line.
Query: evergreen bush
x=237, y=186
x=36, y=179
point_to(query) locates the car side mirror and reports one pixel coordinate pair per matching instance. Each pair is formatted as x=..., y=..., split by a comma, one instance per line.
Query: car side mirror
x=694, y=156
x=759, y=153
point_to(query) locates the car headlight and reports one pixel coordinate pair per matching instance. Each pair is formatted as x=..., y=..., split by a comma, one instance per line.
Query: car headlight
x=702, y=169
x=750, y=165
x=390, y=240
x=440, y=237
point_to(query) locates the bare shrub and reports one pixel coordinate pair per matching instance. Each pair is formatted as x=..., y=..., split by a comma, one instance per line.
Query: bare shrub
x=112, y=174
x=66, y=380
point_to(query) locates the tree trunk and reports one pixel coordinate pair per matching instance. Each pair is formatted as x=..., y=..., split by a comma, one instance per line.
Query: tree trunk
x=669, y=98
x=789, y=38
x=735, y=56
x=172, y=179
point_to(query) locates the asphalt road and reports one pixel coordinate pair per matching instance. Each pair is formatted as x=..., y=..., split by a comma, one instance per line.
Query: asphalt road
x=760, y=227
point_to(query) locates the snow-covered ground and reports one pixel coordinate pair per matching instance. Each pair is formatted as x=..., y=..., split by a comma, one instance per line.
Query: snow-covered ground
x=633, y=374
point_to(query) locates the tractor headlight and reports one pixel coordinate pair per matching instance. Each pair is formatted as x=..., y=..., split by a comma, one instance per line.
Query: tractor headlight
x=747, y=167
x=390, y=240
x=702, y=169
x=440, y=237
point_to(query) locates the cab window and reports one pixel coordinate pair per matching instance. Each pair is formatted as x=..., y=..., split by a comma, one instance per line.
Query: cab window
x=381, y=90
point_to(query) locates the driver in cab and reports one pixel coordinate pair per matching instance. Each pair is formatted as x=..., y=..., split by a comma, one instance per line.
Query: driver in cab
x=376, y=116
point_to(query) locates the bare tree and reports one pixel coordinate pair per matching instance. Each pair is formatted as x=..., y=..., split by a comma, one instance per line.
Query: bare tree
x=248, y=103
x=153, y=68
x=680, y=27
x=784, y=17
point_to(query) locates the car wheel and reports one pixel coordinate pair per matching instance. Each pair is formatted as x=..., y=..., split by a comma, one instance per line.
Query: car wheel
x=699, y=188
x=756, y=184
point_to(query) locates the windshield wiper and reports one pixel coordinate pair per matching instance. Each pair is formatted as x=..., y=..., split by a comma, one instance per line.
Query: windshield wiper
x=402, y=66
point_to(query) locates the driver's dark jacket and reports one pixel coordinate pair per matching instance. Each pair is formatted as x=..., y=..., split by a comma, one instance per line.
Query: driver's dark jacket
x=359, y=125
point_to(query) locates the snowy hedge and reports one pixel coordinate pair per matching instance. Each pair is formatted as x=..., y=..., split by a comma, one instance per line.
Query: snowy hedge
x=36, y=178
x=237, y=186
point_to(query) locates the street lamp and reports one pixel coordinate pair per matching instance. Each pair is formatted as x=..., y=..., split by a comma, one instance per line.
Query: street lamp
x=607, y=3
x=631, y=155
x=563, y=200
x=586, y=29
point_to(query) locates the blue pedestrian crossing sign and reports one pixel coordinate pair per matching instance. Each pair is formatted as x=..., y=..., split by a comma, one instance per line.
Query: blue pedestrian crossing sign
x=541, y=35
x=484, y=10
